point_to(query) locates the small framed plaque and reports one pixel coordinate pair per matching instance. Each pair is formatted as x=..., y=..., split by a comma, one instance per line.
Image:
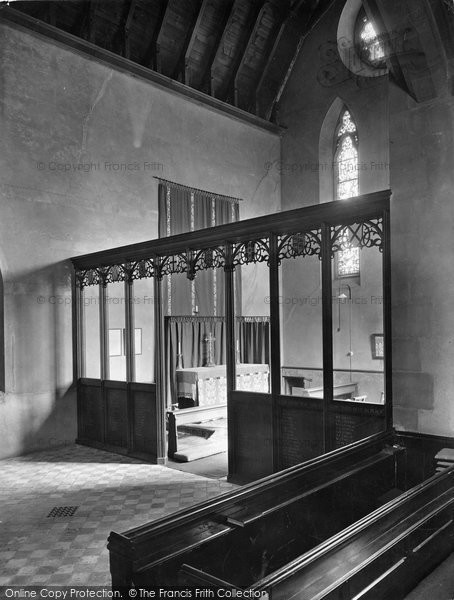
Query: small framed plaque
x=378, y=347
x=138, y=340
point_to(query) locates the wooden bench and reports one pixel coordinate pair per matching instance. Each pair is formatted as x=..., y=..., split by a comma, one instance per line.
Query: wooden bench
x=381, y=556
x=288, y=513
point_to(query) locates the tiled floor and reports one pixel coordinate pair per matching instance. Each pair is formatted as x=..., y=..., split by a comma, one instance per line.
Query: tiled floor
x=111, y=492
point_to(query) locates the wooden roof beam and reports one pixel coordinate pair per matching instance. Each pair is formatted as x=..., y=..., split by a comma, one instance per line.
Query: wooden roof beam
x=269, y=5
x=20, y=20
x=52, y=14
x=223, y=9
x=179, y=17
x=151, y=56
x=251, y=39
x=195, y=29
x=282, y=55
x=318, y=9
x=180, y=69
x=127, y=27
x=246, y=21
x=92, y=9
x=120, y=43
x=81, y=27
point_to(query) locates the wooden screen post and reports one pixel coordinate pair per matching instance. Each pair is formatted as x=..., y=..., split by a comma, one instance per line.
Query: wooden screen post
x=104, y=350
x=79, y=367
x=130, y=357
x=129, y=331
x=327, y=328
x=160, y=372
x=387, y=320
x=230, y=349
x=275, y=345
x=103, y=332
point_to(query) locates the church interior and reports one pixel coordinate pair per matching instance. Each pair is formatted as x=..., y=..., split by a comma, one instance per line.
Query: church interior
x=225, y=296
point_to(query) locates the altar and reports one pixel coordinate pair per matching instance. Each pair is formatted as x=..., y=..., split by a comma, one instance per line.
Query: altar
x=207, y=386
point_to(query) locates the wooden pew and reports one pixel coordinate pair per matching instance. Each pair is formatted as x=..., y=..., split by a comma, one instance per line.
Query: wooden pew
x=381, y=556
x=292, y=511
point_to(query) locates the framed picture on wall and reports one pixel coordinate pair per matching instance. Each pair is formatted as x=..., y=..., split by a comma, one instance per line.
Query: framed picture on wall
x=378, y=348
x=115, y=342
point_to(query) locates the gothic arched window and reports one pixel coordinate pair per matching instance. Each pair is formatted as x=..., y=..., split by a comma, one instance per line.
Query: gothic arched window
x=346, y=158
x=346, y=186
x=369, y=45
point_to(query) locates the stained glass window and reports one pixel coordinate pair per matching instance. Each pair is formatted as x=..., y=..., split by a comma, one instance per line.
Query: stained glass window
x=346, y=158
x=347, y=259
x=370, y=47
x=347, y=169
x=347, y=186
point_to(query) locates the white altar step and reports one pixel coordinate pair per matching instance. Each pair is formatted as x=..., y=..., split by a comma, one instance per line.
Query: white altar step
x=196, y=429
x=210, y=438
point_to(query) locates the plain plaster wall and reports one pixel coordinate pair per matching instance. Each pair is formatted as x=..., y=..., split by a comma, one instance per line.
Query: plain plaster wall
x=422, y=222
x=66, y=123
x=417, y=141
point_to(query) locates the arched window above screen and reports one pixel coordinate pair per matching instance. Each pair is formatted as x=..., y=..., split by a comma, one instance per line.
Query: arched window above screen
x=346, y=185
x=346, y=158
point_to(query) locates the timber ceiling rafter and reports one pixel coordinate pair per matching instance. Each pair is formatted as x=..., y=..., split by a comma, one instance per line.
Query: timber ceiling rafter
x=231, y=47
x=176, y=30
x=144, y=31
x=238, y=51
x=257, y=52
x=241, y=52
x=204, y=40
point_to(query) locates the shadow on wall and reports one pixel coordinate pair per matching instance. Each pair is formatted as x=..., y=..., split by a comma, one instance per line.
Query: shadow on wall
x=39, y=408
